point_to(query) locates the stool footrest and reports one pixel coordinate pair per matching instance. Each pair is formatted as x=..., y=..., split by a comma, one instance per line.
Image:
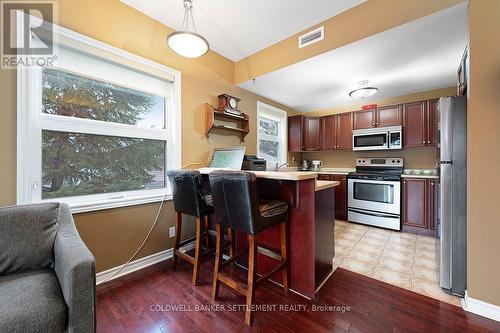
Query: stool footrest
x=185, y=256
x=236, y=285
x=274, y=270
x=268, y=252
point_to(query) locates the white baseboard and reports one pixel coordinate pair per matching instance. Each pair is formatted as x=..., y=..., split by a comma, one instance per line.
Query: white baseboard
x=481, y=308
x=138, y=264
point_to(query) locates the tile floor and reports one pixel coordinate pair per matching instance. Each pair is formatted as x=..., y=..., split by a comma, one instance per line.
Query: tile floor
x=405, y=260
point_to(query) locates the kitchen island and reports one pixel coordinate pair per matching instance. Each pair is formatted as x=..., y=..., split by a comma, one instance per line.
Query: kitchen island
x=311, y=228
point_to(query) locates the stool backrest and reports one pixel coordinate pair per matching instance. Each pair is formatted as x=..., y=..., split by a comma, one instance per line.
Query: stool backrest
x=188, y=192
x=235, y=199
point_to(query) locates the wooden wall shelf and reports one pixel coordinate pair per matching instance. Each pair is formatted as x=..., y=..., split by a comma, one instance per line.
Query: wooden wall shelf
x=239, y=123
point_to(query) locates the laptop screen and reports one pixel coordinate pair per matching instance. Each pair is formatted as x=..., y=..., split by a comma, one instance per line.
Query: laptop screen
x=229, y=157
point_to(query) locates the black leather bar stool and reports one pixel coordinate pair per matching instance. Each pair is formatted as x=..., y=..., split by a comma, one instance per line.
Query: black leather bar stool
x=191, y=199
x=237, y=206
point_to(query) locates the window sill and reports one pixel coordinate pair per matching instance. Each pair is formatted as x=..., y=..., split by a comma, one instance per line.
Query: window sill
x=91, y=206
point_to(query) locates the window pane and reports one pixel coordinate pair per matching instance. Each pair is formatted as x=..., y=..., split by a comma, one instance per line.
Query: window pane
x=268, y=150
x=72, y=95
x=268, y=126
x=76, y=164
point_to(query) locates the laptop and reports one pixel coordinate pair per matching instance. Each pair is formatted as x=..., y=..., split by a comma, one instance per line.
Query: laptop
x=226, y=158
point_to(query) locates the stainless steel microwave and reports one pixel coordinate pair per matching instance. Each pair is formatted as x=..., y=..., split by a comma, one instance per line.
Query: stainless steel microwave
x=380, y=138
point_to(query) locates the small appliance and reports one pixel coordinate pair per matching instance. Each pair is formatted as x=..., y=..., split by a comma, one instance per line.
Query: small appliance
x=253, y=163
x=316, y=165
x=374, y=192
x=304, y=166
x=379, y=138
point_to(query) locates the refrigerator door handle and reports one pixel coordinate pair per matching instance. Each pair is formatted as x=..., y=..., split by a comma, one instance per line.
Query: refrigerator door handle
x=445, y=226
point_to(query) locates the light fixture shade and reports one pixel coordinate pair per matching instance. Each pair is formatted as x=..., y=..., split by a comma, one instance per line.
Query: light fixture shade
x=363, y=92
x=188, y=44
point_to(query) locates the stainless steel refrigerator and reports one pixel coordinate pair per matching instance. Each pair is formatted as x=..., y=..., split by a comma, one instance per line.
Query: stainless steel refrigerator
x=452, y=125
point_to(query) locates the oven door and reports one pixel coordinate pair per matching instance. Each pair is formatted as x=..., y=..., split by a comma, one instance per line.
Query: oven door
x=375, y=195
x=370, y=141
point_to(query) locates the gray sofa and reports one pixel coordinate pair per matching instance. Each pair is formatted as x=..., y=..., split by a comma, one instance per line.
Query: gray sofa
x=47, y=274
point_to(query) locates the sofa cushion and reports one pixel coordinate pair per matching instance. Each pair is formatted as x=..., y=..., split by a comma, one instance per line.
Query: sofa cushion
x=32, y=302
x=27, y=236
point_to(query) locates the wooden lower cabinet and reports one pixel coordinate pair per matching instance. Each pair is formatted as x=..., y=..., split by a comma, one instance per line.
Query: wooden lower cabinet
x=419, y=205
x=340, y=194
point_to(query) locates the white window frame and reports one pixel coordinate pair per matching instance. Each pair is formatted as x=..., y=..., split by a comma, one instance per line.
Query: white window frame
x=31, y=121
x=270, y=112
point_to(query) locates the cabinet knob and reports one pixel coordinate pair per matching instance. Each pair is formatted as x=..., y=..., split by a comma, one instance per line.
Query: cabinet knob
x=428, y=141
x=373, y=124
x=378, y=124
x=432, y=183
x=423, y=142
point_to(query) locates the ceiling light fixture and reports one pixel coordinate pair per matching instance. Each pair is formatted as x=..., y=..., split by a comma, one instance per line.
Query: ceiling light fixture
x=188, y=43
x=363, y=91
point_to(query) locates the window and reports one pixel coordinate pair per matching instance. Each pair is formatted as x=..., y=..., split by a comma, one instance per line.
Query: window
x=271, y=134
x=98, y=129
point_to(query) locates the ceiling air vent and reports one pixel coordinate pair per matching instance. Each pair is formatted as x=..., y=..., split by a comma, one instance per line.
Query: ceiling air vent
x=312, y=37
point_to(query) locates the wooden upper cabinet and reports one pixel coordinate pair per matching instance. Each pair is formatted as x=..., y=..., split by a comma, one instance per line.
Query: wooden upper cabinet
x=364, y=119
x=389, y=116
x=295, y=133
x=415, y=202
x=328, y=137
x=432, y=123
x=312, y=133
x=344, y=131
x=414, y=125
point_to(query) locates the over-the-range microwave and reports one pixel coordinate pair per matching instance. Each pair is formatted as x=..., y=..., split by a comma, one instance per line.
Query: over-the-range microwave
x=380, y=138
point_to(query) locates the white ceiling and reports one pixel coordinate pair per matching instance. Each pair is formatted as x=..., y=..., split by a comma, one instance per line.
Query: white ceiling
x=421, y=55
x=239, y=28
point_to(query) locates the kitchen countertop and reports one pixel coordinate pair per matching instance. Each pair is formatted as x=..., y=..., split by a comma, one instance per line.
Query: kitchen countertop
x=324, y=184
x=420, y=173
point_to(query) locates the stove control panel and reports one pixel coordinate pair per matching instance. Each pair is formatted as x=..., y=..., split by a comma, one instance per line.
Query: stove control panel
x=380, y=162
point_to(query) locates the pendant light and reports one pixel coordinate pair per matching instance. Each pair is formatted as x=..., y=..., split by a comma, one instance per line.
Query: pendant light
x=363, y=91
x=188, y=43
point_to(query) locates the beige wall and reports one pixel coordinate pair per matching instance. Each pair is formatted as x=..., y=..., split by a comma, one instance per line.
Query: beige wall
x=415, y=158
x=113, y=235
x=364, y=20
x=483, y=152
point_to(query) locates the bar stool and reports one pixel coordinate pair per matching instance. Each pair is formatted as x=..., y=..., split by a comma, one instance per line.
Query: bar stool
x=191, y=199
x=237, y=206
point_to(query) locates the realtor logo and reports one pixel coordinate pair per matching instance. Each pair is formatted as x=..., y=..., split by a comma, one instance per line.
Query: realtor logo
x=27, y=33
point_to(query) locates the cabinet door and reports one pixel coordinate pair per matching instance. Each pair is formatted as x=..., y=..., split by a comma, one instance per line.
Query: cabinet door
x=340, y=197
x=389, y=116
x=311, y=133
x=295, y=132
x=364, y=119
x=328, y=135
x=414, y=119
x=415, y=202
x=344, y=131
x=432, y=123
x=433, y=204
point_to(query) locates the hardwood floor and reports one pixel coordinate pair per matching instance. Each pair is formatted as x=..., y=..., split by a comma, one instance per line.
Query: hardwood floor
x=143, y=302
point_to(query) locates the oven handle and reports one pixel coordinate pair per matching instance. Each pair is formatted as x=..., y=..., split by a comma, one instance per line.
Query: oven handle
x=364, y=212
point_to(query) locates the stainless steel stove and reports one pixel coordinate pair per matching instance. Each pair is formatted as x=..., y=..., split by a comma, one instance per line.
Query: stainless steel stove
x=374, y=192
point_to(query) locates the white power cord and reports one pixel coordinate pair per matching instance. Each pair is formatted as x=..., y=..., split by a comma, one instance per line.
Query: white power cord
x=155, y=221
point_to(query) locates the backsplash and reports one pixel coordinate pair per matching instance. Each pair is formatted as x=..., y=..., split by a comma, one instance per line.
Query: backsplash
x=415, y=158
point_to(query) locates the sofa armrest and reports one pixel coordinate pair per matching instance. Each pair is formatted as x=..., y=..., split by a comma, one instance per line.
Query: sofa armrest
x=75, y=270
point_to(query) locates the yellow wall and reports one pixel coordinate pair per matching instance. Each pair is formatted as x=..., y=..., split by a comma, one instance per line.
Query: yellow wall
x=483, y=152
x=113, y=235
x=364, y=20
x=414, y=158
